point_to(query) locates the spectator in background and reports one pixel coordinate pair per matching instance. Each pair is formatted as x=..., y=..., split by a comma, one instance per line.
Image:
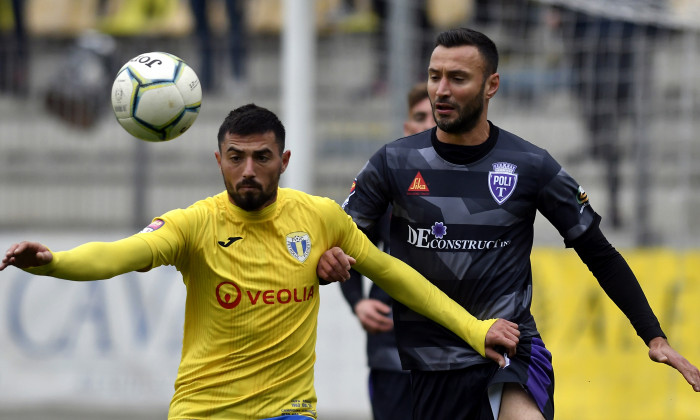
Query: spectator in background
x=389, y=384
x=420, y=112
x=14, y=56
x=380, y=9
x=208, y=47
x=609, y=58
x=518, y=19
x=423, y=40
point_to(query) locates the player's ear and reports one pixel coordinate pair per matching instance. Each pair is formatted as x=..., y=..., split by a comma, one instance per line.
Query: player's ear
x=285, y=160
x=492, y=84
x=218, y=158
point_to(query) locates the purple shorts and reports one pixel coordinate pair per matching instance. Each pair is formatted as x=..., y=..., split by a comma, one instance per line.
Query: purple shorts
x=463, y=393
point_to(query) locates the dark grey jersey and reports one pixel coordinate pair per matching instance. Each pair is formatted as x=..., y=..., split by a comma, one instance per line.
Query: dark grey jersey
x=468, y=229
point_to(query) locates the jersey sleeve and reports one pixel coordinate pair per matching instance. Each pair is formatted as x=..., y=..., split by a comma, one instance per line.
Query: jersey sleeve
x=563, y=201
x=97, y=260
x=409, y=287
x=618, y=281
x=168, y=235
x=369, y=195
x=342, y=231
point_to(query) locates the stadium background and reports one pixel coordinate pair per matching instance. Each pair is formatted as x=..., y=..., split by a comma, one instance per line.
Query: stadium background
x=69, y=173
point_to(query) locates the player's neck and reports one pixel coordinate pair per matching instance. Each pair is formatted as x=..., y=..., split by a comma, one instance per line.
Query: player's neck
x=473, y=137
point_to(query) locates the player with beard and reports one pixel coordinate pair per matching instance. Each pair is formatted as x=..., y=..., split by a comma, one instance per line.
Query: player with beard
x=464, y=196
x=248, y=259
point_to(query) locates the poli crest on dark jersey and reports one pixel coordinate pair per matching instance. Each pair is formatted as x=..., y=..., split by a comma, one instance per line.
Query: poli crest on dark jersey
x=502, y=181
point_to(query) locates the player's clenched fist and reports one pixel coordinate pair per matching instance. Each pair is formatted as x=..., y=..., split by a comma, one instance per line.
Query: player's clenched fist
x=334, y=265
x=26, y=254
x=502, y=333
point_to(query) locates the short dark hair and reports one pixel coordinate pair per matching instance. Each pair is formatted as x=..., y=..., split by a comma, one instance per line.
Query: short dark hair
x=465, y=36
x=418, y=92
x=252, y=119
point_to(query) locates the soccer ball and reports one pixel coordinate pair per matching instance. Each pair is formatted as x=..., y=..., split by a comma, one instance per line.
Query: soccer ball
x=156, y=96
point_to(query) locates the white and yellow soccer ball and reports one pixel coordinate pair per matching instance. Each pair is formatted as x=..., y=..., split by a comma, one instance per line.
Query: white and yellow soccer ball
x=156, y=96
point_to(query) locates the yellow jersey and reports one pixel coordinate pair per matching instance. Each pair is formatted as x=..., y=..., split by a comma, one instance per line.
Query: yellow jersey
x=252, y=301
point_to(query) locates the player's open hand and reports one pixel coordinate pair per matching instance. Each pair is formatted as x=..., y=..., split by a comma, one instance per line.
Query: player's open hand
x=334, y=265
x=374, y=315
x=662, y=352
x=503, y=334
x=26, y=254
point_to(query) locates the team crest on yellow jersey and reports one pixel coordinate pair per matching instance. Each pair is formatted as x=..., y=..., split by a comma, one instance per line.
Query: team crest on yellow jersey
x=299, y=245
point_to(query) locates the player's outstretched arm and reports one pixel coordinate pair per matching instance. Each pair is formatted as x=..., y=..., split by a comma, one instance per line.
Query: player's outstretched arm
x=662, y=352
x=333, y=266
x=26, y=254
x=90, y=261
x=409, y=287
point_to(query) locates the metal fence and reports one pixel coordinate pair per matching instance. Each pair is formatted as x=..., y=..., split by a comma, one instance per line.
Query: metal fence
x=66, y=164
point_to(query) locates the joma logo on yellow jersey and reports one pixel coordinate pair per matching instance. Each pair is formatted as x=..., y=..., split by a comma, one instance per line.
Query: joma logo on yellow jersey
x=229, y=295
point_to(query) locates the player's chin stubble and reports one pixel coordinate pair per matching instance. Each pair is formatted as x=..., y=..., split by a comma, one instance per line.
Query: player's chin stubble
x=250, y=200
x=467, y=117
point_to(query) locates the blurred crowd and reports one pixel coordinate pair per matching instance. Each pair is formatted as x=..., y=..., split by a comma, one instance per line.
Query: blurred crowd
x=225, y=25
x=605, y=59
